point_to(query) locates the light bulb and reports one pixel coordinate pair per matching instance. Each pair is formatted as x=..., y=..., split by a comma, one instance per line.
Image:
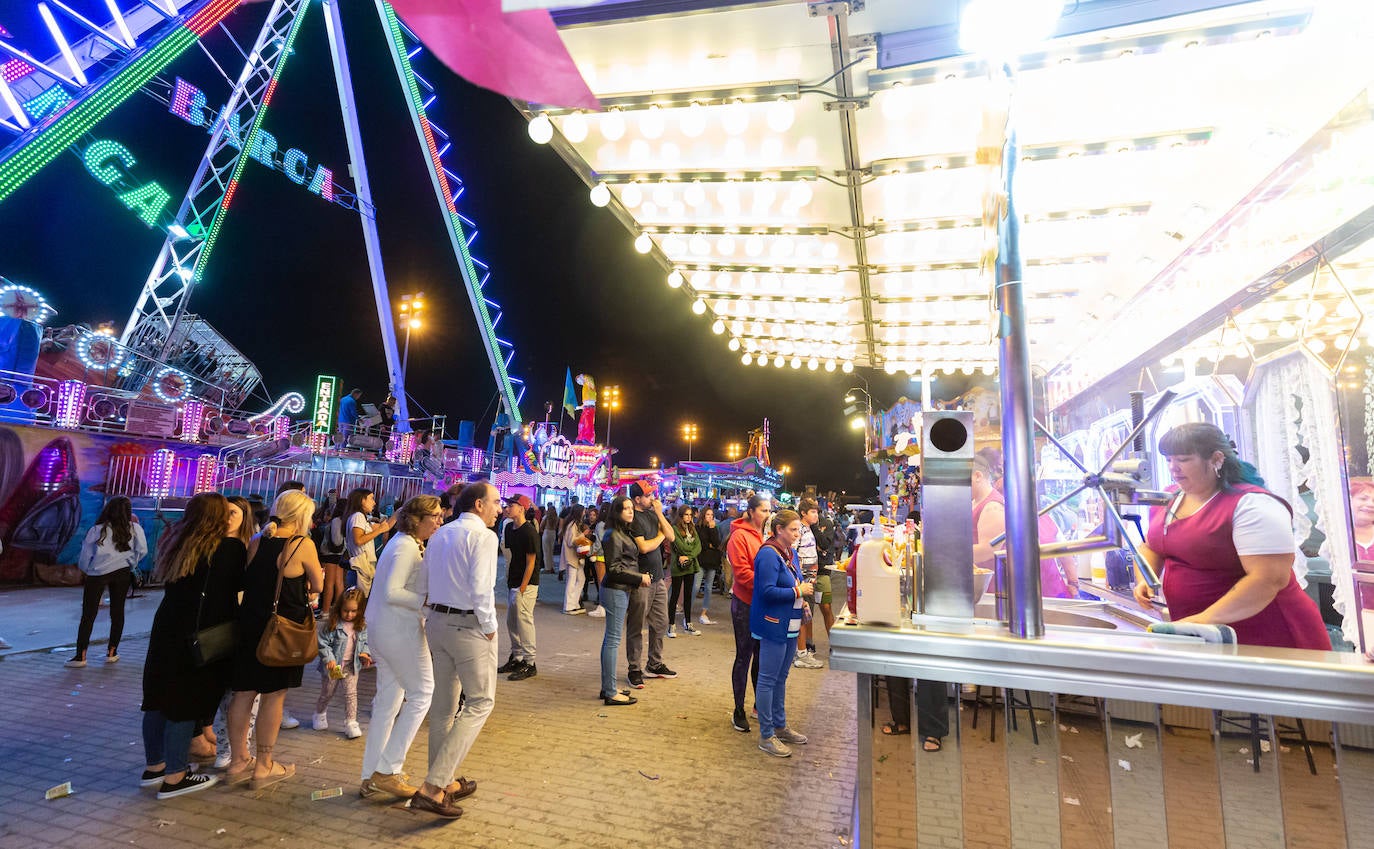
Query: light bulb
x=747, y=358
x=890, y=367
x=693, y=120
x=830, y=365
x=643, y=243
x=631, y=195
x=796, y=362
x=651, y=123
x=717, y=327
x=540, y=129
x=675, y=279
x=699, y=306
x=695, y=195
x=801, y=194
x=575, y=128
x=778, y=361
x=613, y=125
x=733, y=345
x=663, y=193
x=725, y=246
x=601, y=195
x=781, y=115
x=848, y=367
x=736, y=118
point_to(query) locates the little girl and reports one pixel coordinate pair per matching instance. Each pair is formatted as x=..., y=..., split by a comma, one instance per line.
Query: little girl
x=343, y=653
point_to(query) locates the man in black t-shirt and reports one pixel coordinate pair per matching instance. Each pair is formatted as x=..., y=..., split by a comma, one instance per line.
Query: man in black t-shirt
x=651, y=530
x=522, y=579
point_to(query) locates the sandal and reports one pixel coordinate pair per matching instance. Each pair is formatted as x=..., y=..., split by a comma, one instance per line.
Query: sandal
x=274, y=777
x=242, y=775
x=932, y=744
x=892, y=729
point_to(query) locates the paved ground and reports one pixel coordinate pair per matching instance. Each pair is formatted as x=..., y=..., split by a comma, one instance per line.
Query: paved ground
x=556, y=768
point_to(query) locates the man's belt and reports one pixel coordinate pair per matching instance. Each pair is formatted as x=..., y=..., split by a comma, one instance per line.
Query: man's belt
x=444, y=608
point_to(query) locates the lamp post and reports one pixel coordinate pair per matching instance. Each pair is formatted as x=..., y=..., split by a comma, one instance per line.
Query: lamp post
x=732, y=451
x=610, y=399
x=689, y=433
x=408, y=314
x=653, y=462
x=852, y=409
x=785, y=470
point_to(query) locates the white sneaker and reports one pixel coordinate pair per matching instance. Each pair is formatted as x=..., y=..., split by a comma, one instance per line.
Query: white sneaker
x=319, y=722
x=705, y=620
x=598, y=613
x=688, y=629
x=807, y=660
x=352, y=731
x=223, y=761
x=672, y=634
x=288, y=721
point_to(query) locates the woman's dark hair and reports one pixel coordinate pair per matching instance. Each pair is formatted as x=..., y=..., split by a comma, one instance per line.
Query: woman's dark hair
x=682, y=523
x=617, y=507
x=574, y=516
x=355, y=501
x=247, y=527
x=756, y=500
x=1200, y=439
x=117, y=518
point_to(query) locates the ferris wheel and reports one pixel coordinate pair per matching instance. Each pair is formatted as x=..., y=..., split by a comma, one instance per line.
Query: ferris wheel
x=48, y=107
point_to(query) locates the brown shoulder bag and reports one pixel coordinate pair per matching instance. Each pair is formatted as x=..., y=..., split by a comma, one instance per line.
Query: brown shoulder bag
x=286, y=642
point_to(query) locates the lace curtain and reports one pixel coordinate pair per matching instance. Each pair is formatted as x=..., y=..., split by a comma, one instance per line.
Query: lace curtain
x=1292, y=405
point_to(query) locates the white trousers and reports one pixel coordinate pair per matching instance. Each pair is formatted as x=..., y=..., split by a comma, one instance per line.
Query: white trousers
x=464, y=663
x=405, y=688
x=574, y=579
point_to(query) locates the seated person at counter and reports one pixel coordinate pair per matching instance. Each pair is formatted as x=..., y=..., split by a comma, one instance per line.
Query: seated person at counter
x=1226, y=549
x=1362, y=528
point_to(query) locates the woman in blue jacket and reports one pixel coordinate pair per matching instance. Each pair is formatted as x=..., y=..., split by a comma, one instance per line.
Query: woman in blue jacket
x=775, y=620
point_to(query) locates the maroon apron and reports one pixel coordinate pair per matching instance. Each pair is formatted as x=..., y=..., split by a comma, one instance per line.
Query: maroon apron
x=1201, y=565
x=1052, y=582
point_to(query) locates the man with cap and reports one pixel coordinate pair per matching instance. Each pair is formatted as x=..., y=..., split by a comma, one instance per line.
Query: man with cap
x=651, y=530
x=522, y=581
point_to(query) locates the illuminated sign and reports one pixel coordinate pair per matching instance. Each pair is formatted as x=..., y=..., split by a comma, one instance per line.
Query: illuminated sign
x=146, y=201
x=556, y=456
x=188, y=104
x=324, y=404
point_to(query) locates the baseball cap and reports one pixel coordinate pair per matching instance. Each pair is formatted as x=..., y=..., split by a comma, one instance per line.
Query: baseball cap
x=522, y=500
x=636, y=490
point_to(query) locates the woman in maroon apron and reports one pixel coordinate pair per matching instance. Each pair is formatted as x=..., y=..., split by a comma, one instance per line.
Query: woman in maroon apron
x=1226, y=547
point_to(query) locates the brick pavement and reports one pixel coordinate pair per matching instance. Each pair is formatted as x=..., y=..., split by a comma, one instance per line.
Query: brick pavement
x=556, y=768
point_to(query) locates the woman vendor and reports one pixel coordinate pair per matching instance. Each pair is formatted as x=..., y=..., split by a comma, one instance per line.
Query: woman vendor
x=1226, y=548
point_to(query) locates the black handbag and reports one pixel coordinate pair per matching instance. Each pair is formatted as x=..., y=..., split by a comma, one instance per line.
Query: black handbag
x=216, y=642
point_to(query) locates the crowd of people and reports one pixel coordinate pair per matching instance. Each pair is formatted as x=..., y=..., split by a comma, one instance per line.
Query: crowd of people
x=423, y=614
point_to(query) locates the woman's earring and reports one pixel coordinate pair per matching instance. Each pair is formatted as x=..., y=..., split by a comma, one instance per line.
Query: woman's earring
x=1217, y=469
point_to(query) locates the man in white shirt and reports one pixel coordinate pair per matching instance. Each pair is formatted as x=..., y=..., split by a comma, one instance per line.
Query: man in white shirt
x=460, y=562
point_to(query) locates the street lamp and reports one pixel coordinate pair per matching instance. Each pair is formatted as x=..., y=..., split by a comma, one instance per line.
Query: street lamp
x=408, y=314
x=732, y=451
x=610, y=399
x=689, y=433
x=785, y=470
x=653, y=462
x=854, y=409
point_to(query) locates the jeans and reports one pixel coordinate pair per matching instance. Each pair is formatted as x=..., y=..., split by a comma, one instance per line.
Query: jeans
x=682, y=586
x=647, y=604
x=775, y=661
x=520, y=621
x=118, y=582
x=746, y=652
x=707, y=584
x=616, y=602
x=405, y=688
x=165, y=741
x=464, y=663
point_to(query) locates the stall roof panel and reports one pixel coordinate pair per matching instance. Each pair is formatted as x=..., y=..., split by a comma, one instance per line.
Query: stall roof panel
x=787, y=151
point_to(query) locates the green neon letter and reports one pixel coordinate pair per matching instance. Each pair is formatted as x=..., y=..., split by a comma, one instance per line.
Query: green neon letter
x=97, y=157
x=146, y=201
x=294, y=164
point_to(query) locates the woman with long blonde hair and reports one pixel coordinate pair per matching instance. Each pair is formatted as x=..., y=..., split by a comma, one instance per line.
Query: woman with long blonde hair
x=290, y=553
x=203, y=571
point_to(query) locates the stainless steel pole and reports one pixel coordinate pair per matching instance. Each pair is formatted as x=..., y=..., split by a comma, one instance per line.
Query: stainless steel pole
x=1026, y=611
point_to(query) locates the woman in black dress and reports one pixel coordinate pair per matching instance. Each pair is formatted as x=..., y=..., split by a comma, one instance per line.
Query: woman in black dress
x=203, y=571
x=291, y=551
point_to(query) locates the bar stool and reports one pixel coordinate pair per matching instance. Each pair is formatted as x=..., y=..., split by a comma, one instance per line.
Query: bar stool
x=1010, y=703
x=1250, y=724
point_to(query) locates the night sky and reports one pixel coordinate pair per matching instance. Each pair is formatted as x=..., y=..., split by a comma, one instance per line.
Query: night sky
x=289, y=284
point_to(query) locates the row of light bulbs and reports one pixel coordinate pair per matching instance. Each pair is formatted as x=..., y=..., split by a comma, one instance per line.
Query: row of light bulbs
x=778, y=361
x=779, y=247
x=731, y=194
x=766, y=282
x=652, y=122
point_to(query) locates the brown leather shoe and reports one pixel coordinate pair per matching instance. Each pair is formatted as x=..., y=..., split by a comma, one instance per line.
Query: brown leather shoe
x=461, y=788
x=421, y=802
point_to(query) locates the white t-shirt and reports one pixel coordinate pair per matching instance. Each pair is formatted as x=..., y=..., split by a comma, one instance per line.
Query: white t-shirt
x=1261, y=525
x=361, y=558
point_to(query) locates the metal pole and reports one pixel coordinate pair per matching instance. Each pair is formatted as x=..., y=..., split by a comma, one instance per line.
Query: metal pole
x=405, y=358
x=1026, y=611
x=366, y=209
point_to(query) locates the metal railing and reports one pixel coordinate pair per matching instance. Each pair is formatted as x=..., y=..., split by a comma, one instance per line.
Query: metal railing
x=265, y=480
